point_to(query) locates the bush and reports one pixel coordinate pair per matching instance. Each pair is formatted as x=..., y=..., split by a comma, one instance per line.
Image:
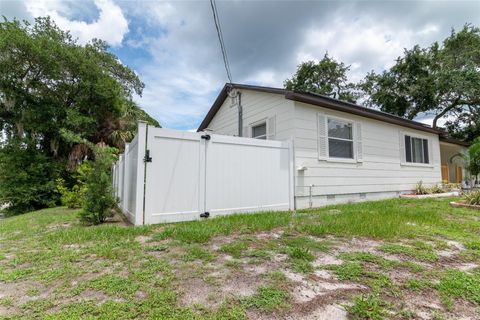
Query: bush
x=74, y=197
x=473, y=198
x=420, y=188
x=99, y=198
x=436, y=188
x=27, y=178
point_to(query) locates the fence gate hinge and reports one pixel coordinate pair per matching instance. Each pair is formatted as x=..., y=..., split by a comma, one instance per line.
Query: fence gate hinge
x=206, y=137
x=147, y=156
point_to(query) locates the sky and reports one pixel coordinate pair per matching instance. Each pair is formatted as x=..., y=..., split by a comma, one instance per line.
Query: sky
x=173, y=45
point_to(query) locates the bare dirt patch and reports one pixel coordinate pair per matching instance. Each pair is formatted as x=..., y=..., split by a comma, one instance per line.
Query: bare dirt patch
x=309, y=288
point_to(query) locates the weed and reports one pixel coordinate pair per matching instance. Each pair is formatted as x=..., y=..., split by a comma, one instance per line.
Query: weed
x=300, y=254
x=195, y=252
x=347, y=271
x=368, y=307
x=424, y=253
x=458, y=284
x=234, y=249
x=267, y=298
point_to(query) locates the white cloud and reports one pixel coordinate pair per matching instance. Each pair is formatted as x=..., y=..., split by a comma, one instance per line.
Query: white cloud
x=110, y=26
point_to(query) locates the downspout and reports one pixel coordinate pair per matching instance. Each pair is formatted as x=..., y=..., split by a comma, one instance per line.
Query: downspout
x=240, y=114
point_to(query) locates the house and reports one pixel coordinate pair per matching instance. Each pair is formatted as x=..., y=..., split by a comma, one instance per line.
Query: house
x=342, y=152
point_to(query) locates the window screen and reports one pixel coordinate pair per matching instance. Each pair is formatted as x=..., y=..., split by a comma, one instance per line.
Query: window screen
x=340, y=139
x=259, y=131
x=416, y=150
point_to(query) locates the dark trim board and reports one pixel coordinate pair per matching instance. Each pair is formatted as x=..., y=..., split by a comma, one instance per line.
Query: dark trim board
x=325, y=102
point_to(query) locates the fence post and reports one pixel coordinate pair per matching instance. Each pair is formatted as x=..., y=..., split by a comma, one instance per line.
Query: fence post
x=126, y=178
x=121, y=180
x=141, y=169
x=291, y=174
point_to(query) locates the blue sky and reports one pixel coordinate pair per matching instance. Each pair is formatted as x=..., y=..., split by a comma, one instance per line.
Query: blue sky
x=173, y=46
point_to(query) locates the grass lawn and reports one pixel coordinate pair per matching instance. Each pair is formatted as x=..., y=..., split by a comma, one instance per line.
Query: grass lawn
x=394, y=259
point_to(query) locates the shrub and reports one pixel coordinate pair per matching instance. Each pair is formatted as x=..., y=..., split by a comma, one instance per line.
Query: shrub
x=436, y=188
x=74, y=197
x=27, y=178
x=473, y=198
x=99, y=198
x=420, y=188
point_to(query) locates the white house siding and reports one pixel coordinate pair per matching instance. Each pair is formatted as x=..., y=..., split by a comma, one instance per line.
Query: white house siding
x=257, y=106
x=379, y=175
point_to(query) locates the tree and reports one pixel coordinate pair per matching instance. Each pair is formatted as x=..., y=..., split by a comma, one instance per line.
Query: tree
x=441, y=80
x=50, y=84
x=327, y=77
x=474, y=158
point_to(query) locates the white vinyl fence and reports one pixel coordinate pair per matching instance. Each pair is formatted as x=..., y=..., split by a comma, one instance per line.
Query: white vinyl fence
x=168, y=176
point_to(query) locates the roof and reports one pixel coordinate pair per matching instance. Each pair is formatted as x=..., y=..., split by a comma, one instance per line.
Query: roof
x=447, y=139
x=325, y=102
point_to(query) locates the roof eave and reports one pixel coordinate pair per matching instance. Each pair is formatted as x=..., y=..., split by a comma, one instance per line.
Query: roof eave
x=357, y=110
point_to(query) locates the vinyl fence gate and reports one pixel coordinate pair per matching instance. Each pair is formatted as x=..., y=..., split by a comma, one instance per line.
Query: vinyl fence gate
x=169, y=176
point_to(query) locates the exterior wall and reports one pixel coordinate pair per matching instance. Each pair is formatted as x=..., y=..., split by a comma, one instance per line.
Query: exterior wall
x=379, y=175
x=448, y=150
x=257, y=106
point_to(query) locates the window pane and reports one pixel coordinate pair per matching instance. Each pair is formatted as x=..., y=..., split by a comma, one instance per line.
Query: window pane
x=340, y=148
x=260, y=130
x=425, y=151
x=339, y=129
x=417, y=150
x=408, y=149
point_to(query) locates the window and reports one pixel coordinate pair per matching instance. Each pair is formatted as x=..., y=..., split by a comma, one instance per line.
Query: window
x=340, y=139
x=259, y=131
x=416, y=150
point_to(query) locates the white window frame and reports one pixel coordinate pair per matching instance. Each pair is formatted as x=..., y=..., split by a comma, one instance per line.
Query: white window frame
x=257, y=124
x=353, y=140
x=430, y=153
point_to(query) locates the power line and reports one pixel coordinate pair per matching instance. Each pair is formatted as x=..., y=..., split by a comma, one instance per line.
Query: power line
x=220, y=39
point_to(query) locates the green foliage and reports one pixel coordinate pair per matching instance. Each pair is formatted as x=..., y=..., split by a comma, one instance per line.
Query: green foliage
x=473, y=198
x=327, y=77
x=424, y=253
x=267, y=298
x=368, y=307
x=201, y=232
x=441, y=79
x=99, y=200
x=234, y=248
x=27, y=178
x=74, y=197
x=458, y=284
x=300, y=254
x=348, y=271
x=474, y=158
x=195, y=252
x=420, y=188
x=49, y=85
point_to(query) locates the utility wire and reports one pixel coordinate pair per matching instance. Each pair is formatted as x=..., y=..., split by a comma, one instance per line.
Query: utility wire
x=220, y=39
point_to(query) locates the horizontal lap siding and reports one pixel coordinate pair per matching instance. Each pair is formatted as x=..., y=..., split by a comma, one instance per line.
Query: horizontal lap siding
x=256, y=107
x=380, y=170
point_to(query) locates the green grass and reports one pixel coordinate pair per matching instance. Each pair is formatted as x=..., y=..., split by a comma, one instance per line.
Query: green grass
x=268, y=298
x=368, y=307
x=458, y=284
x=368, y=257
x=195, y=252
x=347, y=271
x=64, y=262
x=203, y=231
x=235, y=248
x=424, y=253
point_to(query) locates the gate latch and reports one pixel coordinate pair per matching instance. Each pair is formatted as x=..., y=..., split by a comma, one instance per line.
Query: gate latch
x=147, y=156
x=206, y=137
